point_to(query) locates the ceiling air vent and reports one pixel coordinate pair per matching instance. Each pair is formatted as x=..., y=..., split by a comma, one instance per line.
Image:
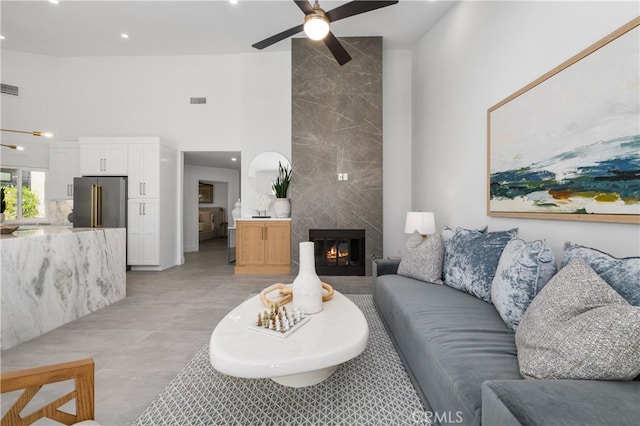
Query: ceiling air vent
x=8, y=89
x=198, y=101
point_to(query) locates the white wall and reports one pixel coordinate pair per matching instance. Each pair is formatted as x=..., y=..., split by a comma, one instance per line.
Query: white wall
x=32, y=110
x=193, y=174
x=396, y=149
x=266, y=113
x=248, y=109
x=480, y=53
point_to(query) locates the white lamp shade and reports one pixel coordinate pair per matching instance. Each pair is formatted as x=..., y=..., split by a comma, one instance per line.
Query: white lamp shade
x=316, y=27
x=423, y=222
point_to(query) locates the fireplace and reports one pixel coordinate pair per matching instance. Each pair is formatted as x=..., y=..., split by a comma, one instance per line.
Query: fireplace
x=338, y=251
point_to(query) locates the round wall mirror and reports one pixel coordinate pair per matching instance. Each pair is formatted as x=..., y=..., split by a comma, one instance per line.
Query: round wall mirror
x=263, y=170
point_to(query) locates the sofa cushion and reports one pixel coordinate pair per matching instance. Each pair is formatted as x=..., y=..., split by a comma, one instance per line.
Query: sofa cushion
x=472, y=258
x=450, y=340
x=423, y=258
x=205, y=217
x=621, y=274
x=204, y=226
x=524, y=268
x=578, y=327
x=560, y=402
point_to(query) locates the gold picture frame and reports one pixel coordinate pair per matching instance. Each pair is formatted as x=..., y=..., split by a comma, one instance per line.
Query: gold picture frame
x=205, y=193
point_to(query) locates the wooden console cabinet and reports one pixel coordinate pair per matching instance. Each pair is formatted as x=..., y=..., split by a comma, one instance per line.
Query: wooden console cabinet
x=263, y=247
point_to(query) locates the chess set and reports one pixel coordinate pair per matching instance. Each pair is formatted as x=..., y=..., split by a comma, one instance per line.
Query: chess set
x=279, y=321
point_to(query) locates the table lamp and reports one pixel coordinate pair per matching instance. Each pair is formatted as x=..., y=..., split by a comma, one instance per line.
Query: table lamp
x=423, y=222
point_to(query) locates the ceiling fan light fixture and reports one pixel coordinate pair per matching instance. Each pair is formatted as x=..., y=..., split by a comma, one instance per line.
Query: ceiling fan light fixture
x=316, y=25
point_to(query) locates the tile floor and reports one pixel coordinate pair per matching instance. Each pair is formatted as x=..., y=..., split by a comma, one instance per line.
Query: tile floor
x=140, y=343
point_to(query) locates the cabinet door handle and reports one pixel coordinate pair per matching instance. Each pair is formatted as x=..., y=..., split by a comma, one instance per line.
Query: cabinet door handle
x=140, y=209
x=141, y=188
x=105, y=164
x=144, y=188
x=144, y=209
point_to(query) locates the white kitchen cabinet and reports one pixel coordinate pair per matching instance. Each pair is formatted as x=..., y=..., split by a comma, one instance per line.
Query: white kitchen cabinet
x=103, y=159
x=63, y=167
x=144, y=170
x=143, y=231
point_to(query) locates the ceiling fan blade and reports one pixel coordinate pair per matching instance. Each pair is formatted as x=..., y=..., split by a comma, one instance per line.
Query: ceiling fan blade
x=338, y=51
x=356, y=8
x=304, y=5
x=278, y=37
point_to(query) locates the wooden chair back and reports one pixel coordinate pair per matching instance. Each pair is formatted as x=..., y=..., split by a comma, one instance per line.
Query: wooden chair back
x=33, y=379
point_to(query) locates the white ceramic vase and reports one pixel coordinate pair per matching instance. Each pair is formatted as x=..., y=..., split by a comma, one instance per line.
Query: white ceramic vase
x=236, y=212
x=282, y=207
x=307, y=287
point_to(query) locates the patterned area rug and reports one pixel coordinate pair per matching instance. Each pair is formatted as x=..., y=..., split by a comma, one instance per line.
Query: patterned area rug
x=372, y=389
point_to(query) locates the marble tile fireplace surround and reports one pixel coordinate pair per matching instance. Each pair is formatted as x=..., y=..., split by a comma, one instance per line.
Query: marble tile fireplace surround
x=336, y=147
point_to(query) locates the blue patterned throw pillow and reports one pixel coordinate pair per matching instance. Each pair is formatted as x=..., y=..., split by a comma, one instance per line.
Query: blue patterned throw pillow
x=524, y=268
x=471, y=259
x=448, y=233
x=621, y=274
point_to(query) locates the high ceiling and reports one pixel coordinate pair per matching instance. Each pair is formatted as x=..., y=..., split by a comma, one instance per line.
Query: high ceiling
x=93, y=28
x=205, y=27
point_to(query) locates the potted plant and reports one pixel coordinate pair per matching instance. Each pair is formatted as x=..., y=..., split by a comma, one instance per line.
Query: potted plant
x=3, y=205
x=282, y=205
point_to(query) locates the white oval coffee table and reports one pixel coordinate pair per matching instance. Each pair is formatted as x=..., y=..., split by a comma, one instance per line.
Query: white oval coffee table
x=308, y=356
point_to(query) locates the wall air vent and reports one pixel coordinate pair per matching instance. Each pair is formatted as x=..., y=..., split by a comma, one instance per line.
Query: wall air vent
x=198, y=101
x=8, y=89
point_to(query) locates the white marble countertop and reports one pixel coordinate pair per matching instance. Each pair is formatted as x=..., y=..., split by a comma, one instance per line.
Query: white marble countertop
x=28, y=231
x=52, y=275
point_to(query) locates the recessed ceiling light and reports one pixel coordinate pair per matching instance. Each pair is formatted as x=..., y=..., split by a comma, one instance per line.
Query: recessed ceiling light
x=2, y=37
x=233, y=1
x=54, y=1
x=124, y=35
x=234, y=159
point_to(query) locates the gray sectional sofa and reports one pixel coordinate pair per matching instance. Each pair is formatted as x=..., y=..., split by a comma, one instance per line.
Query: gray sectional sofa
x=463, y=362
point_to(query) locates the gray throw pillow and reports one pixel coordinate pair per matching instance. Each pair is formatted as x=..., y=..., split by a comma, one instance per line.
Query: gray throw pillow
x=621, y=274
x=524, y=268
x=423, y=258
x=578, y=327
x=471, y=260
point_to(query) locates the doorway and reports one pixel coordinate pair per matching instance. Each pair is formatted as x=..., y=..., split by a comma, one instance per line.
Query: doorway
x=217, y=173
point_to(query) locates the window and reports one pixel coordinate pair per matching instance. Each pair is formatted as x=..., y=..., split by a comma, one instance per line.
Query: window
x=24, y=193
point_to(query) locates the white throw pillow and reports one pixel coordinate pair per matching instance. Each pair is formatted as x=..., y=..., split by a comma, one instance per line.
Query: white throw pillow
x=423, y=258
x=579, y=328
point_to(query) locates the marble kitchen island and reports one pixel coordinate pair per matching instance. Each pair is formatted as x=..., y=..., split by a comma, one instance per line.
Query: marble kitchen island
x=53, y=275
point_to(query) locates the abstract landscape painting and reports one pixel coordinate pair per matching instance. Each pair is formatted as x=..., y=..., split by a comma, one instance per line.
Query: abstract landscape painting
x=567, y=146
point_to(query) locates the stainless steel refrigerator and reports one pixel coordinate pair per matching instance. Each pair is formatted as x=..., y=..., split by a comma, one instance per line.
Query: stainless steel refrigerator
x=100, y=202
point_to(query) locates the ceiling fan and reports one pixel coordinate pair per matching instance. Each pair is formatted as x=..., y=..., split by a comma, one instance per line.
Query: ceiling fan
x=316, y=24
